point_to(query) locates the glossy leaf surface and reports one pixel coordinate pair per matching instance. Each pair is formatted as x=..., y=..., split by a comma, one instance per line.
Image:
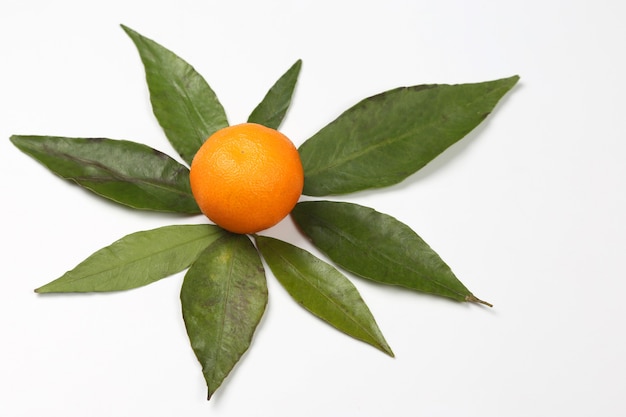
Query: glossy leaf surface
x=271, y=111
x=378, y=247
x=137, y=259
x=126, y=172
x=184, y=104
x=223, y=297
x=323, y=290
x=385, y=138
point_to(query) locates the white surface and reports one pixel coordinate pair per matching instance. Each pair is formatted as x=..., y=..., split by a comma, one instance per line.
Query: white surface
x=528, y=210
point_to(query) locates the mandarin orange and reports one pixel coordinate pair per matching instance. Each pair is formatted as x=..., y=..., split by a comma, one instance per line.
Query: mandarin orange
x=247, y=177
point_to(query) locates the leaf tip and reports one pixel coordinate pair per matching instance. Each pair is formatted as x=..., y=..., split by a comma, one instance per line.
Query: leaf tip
x=472, y=299
x=385, y=348
x=131, y=33
x=389, y=352
x=512, y=80
x=42, y=290
x=16, y=140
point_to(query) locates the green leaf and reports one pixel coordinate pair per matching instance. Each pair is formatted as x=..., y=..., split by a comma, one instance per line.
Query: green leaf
x=184, y=104
x=323, y=290
x=223, y=297
x=137, y=259
x=385, y=138
x=271, y=111
x=378, y=247
x=126, y=172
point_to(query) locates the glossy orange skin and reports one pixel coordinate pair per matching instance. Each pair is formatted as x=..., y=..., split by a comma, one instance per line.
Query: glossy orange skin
x=247, y=177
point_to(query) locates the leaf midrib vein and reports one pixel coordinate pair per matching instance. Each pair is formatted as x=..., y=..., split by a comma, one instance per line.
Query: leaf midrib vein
x=316, y=287
x=220, y=330
x=158, y=183
x=391, y=140
x=189, y=104
x=137, y=260
x=354, y=241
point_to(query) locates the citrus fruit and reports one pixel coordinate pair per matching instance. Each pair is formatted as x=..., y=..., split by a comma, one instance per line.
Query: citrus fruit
x=247, y=177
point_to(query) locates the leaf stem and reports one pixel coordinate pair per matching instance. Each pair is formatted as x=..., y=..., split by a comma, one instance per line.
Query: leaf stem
x=472, y=299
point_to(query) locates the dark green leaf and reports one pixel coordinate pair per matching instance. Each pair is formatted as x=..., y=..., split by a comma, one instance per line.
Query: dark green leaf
x=322, y=290
x=385, y=138
x=137, y=259
x=129, y=173
x=223, y=297
x=271, y=111
x=184, y=104
x=378, y=247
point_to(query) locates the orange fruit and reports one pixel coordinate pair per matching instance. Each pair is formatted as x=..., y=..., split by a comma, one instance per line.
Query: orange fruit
x=247, y=177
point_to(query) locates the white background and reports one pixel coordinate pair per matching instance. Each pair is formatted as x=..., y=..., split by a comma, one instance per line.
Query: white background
x=528, y=210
